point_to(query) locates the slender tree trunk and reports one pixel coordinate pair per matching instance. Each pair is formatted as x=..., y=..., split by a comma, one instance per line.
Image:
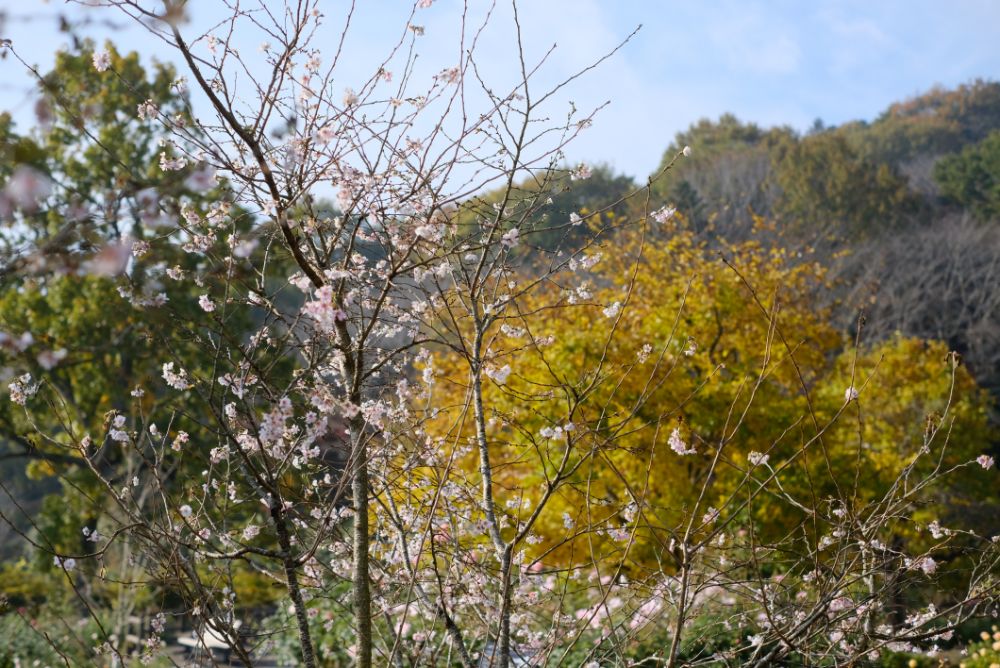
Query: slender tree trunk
x=301, y=618
x=503, y=641
x=362, y=590
x=675, y=642
x=294, y=588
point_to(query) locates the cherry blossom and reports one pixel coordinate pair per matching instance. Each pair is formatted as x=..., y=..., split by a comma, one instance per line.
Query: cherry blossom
x=678, y=445
x=147, y=110
x=22, y=389
x=69, y=563
x=581, y=173
x=101, y=60
x=664, y=214
x=178, y=380
x=169, y=164
x=26, y=188
x=206, y=303
x=48, y=359
x=499, y=376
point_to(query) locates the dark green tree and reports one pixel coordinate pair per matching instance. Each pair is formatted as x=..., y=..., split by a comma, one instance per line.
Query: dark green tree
x=971, y=178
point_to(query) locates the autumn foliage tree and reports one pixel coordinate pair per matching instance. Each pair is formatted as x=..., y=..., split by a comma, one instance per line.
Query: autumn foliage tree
x=714, y=352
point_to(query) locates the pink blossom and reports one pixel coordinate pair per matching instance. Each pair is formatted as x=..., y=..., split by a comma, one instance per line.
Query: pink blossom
x=511, y=237
x=168, y=164
x=22, y=389
x=663, y=214
x=206, y=303
x=147, y=110
x=48, y=359
x=27, y=187
x=840, y=604
x=202, y=179
x=926, y=564
x=581, y=173
x=179, y=441
x=323, y=310
x=178, y=381
x=110, y=260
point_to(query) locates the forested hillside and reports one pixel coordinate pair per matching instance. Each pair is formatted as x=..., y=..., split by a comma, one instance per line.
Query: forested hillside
x=905, y=210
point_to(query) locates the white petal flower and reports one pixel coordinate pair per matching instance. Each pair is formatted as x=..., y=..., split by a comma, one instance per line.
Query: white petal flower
x=206, y=303
x=102, y=61
x=678, y=445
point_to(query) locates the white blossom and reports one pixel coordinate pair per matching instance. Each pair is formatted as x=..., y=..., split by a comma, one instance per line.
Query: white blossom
x=101, y=60
x=663, y=214
x=179, y=380
x=678, y=445
x=499, y=376
x=206, y=303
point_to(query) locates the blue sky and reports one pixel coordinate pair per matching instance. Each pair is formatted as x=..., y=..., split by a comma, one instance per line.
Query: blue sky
x=777, y=62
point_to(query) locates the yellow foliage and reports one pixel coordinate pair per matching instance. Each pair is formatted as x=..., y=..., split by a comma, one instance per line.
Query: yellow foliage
x=728, y=346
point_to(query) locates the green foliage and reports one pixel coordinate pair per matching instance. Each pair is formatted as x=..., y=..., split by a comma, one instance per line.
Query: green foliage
x=28, y=588
x=827, y=188
x=330, y=625
x=971, y=178
x=548, y=201
x=22, y=643
x=983, y=652
x=29, y=634
x=94, y=142
x=102, y=158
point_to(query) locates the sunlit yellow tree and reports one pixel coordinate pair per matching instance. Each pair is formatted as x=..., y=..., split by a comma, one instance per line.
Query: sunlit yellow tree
x=669, y=360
